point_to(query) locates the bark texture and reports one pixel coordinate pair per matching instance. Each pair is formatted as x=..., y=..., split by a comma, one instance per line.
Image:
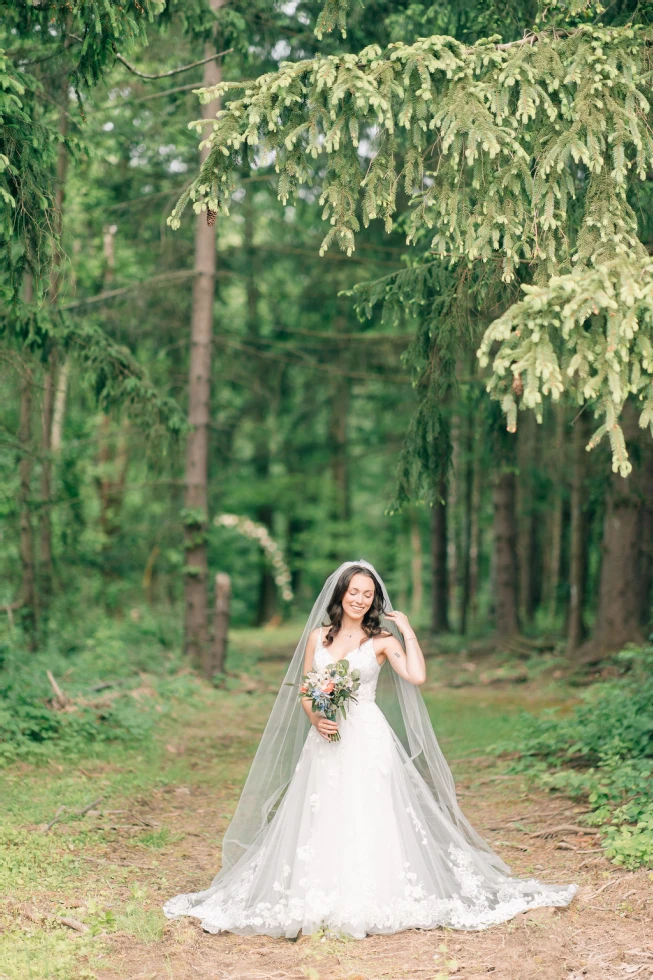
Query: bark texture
x=623, y=612
x=440, y=577
x=417, y=588
x=260, y=412
x=196, y=623
x=528, y=551
x=50, y=378
x=28, y=589
x=554, y=543
x=505, y=554
x=576, y=628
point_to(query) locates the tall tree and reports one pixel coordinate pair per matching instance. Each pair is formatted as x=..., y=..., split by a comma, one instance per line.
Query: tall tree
x=439, y=554
x=504, y=505
x=576, y=625
x=196, y=516
x=527, y=543
x=624, y=600
x=260, y=404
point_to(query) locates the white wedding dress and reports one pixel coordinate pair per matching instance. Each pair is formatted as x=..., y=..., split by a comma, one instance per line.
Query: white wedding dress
x=360, y=846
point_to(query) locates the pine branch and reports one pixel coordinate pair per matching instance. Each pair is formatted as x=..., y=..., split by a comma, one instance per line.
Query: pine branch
x=102, y=297
x=173, y=71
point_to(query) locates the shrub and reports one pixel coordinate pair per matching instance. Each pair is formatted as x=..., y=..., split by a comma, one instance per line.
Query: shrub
x=602, y=752
x=98, y=662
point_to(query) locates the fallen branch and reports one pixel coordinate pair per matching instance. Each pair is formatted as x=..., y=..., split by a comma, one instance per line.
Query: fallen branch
x=77, y=813
x=80, y=813
x=564, y=828
x=72, y=923
x=33, y=916
x=60, y=698
x=55, y=819
x=612, y=881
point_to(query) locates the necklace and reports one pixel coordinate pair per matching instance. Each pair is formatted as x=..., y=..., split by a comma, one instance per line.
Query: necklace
x=350, y=634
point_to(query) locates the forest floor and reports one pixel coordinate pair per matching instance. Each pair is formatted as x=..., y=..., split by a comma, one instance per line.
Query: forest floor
x=85, y=895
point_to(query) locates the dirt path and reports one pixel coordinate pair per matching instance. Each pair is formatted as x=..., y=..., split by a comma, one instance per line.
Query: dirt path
x=607, y=933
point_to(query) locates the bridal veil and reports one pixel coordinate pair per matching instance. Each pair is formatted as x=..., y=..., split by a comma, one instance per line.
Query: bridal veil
x=287, y=727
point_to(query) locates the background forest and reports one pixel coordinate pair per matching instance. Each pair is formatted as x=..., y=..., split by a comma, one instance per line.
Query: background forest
x=159, y=376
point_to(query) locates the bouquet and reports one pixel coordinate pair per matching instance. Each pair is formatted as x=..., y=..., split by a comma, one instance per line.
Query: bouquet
x=330, y=689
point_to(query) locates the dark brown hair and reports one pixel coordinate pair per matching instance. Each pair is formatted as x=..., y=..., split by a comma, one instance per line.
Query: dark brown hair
x=371, y=624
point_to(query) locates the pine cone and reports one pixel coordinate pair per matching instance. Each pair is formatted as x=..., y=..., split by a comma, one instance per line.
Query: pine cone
x=517, y=385
x=210, y=217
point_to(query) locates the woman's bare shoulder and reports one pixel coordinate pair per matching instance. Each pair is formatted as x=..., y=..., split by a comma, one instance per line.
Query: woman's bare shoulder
x=383, y=635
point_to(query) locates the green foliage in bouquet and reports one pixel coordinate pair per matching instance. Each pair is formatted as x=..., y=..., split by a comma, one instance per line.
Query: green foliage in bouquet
x=330, y=689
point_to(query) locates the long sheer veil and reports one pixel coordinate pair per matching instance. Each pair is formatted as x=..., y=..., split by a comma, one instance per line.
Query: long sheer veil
x=287, y=727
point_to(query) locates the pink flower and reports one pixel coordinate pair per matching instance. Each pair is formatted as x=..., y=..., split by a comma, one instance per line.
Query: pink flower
x=329, y=688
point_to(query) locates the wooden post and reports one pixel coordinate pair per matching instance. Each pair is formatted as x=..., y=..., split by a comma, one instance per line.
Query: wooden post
x=215, y=663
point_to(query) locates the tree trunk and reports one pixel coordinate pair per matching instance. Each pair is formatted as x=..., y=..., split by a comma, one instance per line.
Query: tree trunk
x=59, y=410
x=28, y=597
x=196, y=627
x=338, y=447
x=555, y=530
x=475, y=542
x=576, y=629
x=440, y=583
x=527, y=524
x=45, y=519
x=621, y=605
x=260, y=409
x=113, y=458
x=468, y=502
x=645, y=577
x=452, y=508
x=417, y=590
x=50, y=379
x=505, y=554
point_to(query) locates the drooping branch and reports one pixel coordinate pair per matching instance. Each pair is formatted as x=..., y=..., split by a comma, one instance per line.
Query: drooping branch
x=173, y=71
x=520, y=154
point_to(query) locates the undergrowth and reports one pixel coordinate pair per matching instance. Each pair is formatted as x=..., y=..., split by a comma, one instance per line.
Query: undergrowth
x=116, y=677
x=602, y=753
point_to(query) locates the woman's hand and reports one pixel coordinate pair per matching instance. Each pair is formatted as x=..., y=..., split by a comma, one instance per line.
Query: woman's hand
x=324, y=726
x=406, y=658
x=401, y=621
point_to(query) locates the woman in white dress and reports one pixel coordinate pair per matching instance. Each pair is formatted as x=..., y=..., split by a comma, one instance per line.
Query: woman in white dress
x=363, y=835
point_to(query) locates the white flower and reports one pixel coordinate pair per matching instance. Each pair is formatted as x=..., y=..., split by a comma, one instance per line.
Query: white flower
x=259, y=533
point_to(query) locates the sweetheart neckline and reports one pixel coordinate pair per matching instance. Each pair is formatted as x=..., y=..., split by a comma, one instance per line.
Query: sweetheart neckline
x=355, y=650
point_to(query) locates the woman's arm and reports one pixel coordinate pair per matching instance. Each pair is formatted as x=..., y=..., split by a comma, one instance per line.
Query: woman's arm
x=322, y=724
x=408, y=663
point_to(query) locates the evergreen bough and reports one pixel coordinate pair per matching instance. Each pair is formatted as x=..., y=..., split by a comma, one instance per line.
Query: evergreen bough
x=524, y=157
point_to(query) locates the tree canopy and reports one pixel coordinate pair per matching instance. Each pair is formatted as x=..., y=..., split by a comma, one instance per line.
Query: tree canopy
x=526, y=158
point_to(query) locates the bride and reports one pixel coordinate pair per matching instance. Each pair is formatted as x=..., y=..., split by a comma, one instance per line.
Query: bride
x=362, y=835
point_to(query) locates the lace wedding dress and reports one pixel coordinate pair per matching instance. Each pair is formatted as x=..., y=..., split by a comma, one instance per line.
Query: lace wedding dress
x=359, y=845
